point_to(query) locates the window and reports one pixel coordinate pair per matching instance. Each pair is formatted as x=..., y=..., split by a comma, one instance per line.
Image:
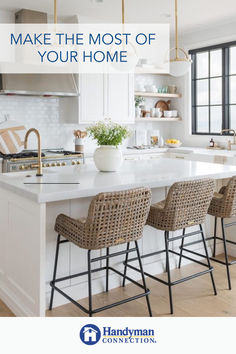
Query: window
x=214, y=89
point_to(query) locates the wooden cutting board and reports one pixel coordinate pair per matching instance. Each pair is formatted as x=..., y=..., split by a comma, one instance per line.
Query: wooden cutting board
x=163, y=105
x=11, y=137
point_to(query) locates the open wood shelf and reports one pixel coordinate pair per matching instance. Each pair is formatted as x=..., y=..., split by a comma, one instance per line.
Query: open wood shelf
x=158, y=119
x=156, y=94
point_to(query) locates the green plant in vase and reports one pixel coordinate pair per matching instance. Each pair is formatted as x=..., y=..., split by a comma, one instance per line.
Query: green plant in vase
x=138, y=101
x=108, y=157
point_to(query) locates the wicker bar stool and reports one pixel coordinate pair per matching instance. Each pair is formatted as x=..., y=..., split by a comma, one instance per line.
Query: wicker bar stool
x=186, y=205
x=113, y=219
x=223, y=205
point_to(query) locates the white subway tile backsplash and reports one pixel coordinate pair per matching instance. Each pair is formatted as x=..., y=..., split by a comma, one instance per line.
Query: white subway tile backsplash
x=41, y=113
x=44, y=114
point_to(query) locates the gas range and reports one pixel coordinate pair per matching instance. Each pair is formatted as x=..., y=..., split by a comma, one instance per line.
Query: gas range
x=27, y=159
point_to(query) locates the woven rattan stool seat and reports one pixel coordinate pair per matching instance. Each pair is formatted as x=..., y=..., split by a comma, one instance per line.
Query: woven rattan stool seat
x=223, y=204
x=113, y=219
x=186, y=205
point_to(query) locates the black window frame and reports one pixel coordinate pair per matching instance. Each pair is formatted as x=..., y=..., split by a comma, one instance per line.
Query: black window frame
x=225, y=86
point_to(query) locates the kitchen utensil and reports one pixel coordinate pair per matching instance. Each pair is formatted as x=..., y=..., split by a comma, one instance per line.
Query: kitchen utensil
x=163, y=105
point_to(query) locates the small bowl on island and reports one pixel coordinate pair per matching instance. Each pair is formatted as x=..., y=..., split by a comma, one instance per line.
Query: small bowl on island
x=173, y=143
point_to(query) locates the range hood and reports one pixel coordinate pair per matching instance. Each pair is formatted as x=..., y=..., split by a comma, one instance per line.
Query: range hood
x=63, y=85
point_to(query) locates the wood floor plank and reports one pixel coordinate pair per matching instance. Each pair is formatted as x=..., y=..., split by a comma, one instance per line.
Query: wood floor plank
x=193, y=298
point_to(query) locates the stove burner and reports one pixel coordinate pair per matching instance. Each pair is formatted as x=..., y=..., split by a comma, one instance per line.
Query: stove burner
x=64, y=152
x=71, y=153
x=20, y=155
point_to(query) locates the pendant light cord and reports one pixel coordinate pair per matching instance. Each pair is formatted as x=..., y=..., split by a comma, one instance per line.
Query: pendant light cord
x=176, y=30
x=123, y=12
x=55, y=12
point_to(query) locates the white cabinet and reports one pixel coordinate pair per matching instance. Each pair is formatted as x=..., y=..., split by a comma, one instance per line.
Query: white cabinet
x=92, y=99
x=106, y=96
x=120, y=88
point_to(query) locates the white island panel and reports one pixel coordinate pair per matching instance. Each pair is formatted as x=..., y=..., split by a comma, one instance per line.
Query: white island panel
x=28, y=213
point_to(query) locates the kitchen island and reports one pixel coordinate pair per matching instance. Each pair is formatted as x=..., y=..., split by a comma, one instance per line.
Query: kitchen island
x=29, y=206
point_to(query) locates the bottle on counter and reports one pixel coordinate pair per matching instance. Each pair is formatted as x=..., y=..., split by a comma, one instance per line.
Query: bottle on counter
x=212, y=143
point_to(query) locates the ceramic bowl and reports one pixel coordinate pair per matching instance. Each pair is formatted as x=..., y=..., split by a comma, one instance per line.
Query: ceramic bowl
x=174, y=145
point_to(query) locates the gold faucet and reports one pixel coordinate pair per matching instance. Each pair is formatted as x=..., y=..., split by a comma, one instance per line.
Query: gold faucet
x=39, y=165
x=229, y=142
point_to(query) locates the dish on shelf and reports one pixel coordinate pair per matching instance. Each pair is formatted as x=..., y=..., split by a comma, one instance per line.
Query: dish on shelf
x=170, y=114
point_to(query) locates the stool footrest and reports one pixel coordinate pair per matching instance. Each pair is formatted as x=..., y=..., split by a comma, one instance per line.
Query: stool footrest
x=191, y=259
x=176, y=281
x=211, y=258
x=135, y=297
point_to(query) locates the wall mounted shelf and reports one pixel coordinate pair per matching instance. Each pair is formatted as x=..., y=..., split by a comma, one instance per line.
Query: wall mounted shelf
x=147, y=120
x=156, y=94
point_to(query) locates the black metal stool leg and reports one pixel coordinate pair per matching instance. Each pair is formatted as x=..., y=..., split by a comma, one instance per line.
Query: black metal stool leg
x=208, y=259
x=125, y=267
x=107, y=271
x=215, y=230
x=143, y=278
x=55, y=270
x=226, y=253
x=168, y=270
x=181, y=250
x=89, y=283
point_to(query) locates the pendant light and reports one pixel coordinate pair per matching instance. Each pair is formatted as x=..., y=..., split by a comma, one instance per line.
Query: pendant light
x=181, y=63
x=130, y=49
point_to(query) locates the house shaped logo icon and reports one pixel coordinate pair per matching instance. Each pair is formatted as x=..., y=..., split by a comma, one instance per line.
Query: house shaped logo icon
x=90, y=334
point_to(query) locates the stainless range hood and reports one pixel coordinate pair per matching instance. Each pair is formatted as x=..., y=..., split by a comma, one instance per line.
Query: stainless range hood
x=63, y=85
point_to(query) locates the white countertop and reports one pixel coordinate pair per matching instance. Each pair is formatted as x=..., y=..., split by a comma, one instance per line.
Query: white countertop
x=62, y=183
x=182, y=149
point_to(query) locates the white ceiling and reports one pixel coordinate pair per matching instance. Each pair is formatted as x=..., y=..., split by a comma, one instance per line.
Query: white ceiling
x=193, y=14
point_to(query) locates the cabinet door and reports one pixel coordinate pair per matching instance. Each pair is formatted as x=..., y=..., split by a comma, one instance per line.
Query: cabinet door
x=121, y=98
x=92, y=102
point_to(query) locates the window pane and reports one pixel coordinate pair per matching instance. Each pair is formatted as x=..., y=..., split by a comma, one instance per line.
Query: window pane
x=232, y=89
x=232, y=68
x=202, y=92
x=232, y=115
x=202, y=119
x=202, y=65
x=216, y=62
x=216, y=91
x=216, y=119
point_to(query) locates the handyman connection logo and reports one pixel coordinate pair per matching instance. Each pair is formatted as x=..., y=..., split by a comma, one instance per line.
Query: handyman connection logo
x=91, y=334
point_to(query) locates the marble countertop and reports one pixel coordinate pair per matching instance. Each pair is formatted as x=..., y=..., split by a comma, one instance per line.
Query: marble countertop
x=85, y=181
x=182, y=149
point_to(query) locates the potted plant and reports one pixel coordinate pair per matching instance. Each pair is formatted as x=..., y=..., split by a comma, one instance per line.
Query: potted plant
x=108, y=157
x=138, y=100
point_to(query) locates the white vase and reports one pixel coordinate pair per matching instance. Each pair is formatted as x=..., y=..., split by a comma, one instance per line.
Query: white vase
x=137, y=112
x=108, y=158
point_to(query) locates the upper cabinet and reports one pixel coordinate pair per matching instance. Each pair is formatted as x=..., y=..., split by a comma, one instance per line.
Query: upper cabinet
x=92, y=98
x=106, y=96
x=120, y=93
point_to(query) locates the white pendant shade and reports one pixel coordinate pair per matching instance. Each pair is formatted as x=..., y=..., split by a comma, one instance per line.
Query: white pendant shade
x=180, y=68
